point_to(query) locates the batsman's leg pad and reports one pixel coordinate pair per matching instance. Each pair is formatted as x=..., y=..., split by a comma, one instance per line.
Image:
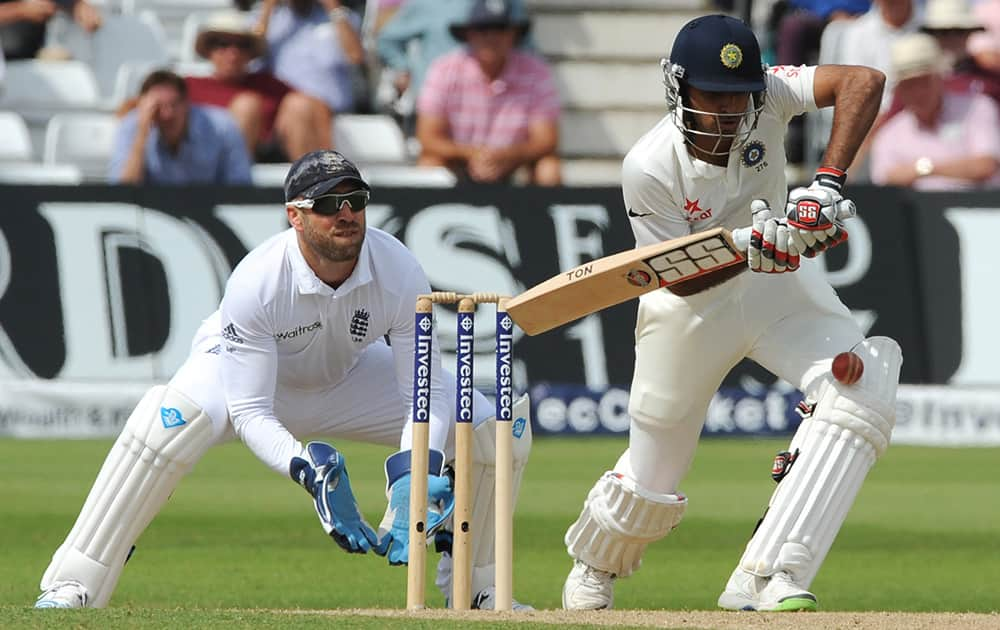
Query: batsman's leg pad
x=848, y=431
x=619, y=519
x=162, y=439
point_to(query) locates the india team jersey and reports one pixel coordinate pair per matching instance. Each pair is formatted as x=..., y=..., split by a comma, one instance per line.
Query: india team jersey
x=669, y=194
x=282, y=328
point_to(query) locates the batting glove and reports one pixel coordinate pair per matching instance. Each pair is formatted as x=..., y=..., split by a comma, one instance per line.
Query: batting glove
x=771, y=249
x=815, y=213
x=322, y=472
x=394, y=530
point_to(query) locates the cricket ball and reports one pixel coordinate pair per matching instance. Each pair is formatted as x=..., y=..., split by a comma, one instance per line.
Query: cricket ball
x=847, y=368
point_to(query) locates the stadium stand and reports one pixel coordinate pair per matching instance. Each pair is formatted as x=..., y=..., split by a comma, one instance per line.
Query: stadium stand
x=604, y=54
x=16, y=145
x=82, y=140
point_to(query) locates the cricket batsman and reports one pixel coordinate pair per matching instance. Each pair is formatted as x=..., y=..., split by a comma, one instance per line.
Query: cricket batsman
x=717, y=159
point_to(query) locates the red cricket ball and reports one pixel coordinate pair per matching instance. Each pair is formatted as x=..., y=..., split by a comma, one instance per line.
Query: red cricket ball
x=847, y=368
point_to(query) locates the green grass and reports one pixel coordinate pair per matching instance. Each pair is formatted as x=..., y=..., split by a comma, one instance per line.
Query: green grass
x=923, y=535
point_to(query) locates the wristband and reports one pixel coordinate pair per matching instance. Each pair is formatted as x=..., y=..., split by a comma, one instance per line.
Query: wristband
x=831, y=177
x=340, y=13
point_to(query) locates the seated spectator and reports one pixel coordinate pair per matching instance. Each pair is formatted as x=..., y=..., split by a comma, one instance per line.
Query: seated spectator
x=315, y=47
x=941, y=140
x=418, y=34
x=22, y=23
x=278, y=124
x=866, y=41
x=951, y=22
x=166, y=140
x=488, y=109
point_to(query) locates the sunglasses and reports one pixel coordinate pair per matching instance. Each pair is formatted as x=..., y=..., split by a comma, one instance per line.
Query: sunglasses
x=329, y=205
x=220, y=42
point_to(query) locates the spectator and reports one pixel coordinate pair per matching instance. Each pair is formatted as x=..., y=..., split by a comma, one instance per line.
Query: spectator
x=951, y=23
x=418, y=34
x=22, y=23
x=867, y=40
x=799, y=30
x=315, y=47
x=278, y=124
x=941, y=140
x=487, y=110
x=166, y=140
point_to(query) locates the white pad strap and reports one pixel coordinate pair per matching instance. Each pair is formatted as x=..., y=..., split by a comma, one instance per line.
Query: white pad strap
x=618, y=521
x=849, y=430
x=162, y=439
x=484, y=487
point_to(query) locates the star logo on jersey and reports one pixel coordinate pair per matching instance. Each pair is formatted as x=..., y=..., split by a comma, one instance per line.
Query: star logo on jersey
x=731, y=56
x=695, y=213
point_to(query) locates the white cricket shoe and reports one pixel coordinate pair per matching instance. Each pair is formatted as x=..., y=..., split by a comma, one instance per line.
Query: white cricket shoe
x=67, y=594
x=486, y=600
x=587, y=588
x=779, y=593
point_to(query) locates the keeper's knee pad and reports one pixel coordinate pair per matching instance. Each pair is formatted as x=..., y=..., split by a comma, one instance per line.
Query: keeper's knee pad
x=162, y=439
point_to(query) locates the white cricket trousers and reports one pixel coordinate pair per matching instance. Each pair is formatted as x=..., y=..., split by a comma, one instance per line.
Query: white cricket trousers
x=792, y=324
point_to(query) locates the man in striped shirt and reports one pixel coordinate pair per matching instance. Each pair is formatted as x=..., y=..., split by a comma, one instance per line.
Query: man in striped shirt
x=489, y=109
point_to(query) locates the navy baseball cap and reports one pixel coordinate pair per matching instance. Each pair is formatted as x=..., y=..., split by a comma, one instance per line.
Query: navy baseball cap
x=319, y=172
x=719, y=54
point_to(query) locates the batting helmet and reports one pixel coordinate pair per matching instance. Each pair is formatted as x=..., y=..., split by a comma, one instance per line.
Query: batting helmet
x=715, y=53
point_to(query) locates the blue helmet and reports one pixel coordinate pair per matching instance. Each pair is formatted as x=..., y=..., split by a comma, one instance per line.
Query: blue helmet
x=715, y=53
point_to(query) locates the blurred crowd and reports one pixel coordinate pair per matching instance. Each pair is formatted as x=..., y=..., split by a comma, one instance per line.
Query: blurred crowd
x=470, y=93
x=459, y=77
x=939, y=127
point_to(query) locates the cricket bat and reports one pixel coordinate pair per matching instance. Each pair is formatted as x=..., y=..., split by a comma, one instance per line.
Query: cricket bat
x=614, y=279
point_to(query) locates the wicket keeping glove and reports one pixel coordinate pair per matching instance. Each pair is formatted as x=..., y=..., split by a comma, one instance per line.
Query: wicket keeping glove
x=394, y=530
x=771, y=249
x=323, y=473
x=815, y=213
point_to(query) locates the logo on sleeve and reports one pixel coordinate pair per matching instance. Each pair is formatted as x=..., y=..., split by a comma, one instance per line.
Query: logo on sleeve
x=632, y=213
x=229, y=334
x=359, y=325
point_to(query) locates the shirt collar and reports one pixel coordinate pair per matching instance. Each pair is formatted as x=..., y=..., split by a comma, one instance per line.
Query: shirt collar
x=308, y=282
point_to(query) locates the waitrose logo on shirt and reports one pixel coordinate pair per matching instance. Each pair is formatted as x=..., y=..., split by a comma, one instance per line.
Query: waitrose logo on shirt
x=295, y=332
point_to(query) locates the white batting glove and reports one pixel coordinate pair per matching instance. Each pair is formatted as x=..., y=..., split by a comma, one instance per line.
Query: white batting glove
x=770, y=250
x=814, y=213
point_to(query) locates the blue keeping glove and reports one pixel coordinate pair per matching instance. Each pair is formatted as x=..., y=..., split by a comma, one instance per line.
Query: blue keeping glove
x=323, y=473
x=394, y=530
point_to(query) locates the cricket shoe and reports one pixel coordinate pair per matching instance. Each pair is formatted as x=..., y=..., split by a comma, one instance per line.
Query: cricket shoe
x=486, y=600
x=777, y=593
x=67, y=594
x=587, y=588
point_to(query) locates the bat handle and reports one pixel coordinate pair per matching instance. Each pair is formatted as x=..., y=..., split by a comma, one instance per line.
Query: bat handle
x=741, y=238
x=845, y=210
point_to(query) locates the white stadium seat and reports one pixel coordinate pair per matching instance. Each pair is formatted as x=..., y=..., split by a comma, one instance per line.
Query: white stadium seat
x=122, y=38
x=32, y=84
x=83, y=140
x=15, y=141
x=369, y=138
x=38, y=173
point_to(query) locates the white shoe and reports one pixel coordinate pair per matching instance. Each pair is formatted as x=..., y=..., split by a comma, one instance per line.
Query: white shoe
x=779, y=592
x=67, y=594
x=587, y=588
x=486, y=600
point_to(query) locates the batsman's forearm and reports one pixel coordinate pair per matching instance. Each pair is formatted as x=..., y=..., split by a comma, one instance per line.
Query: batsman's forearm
x=854, y=110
